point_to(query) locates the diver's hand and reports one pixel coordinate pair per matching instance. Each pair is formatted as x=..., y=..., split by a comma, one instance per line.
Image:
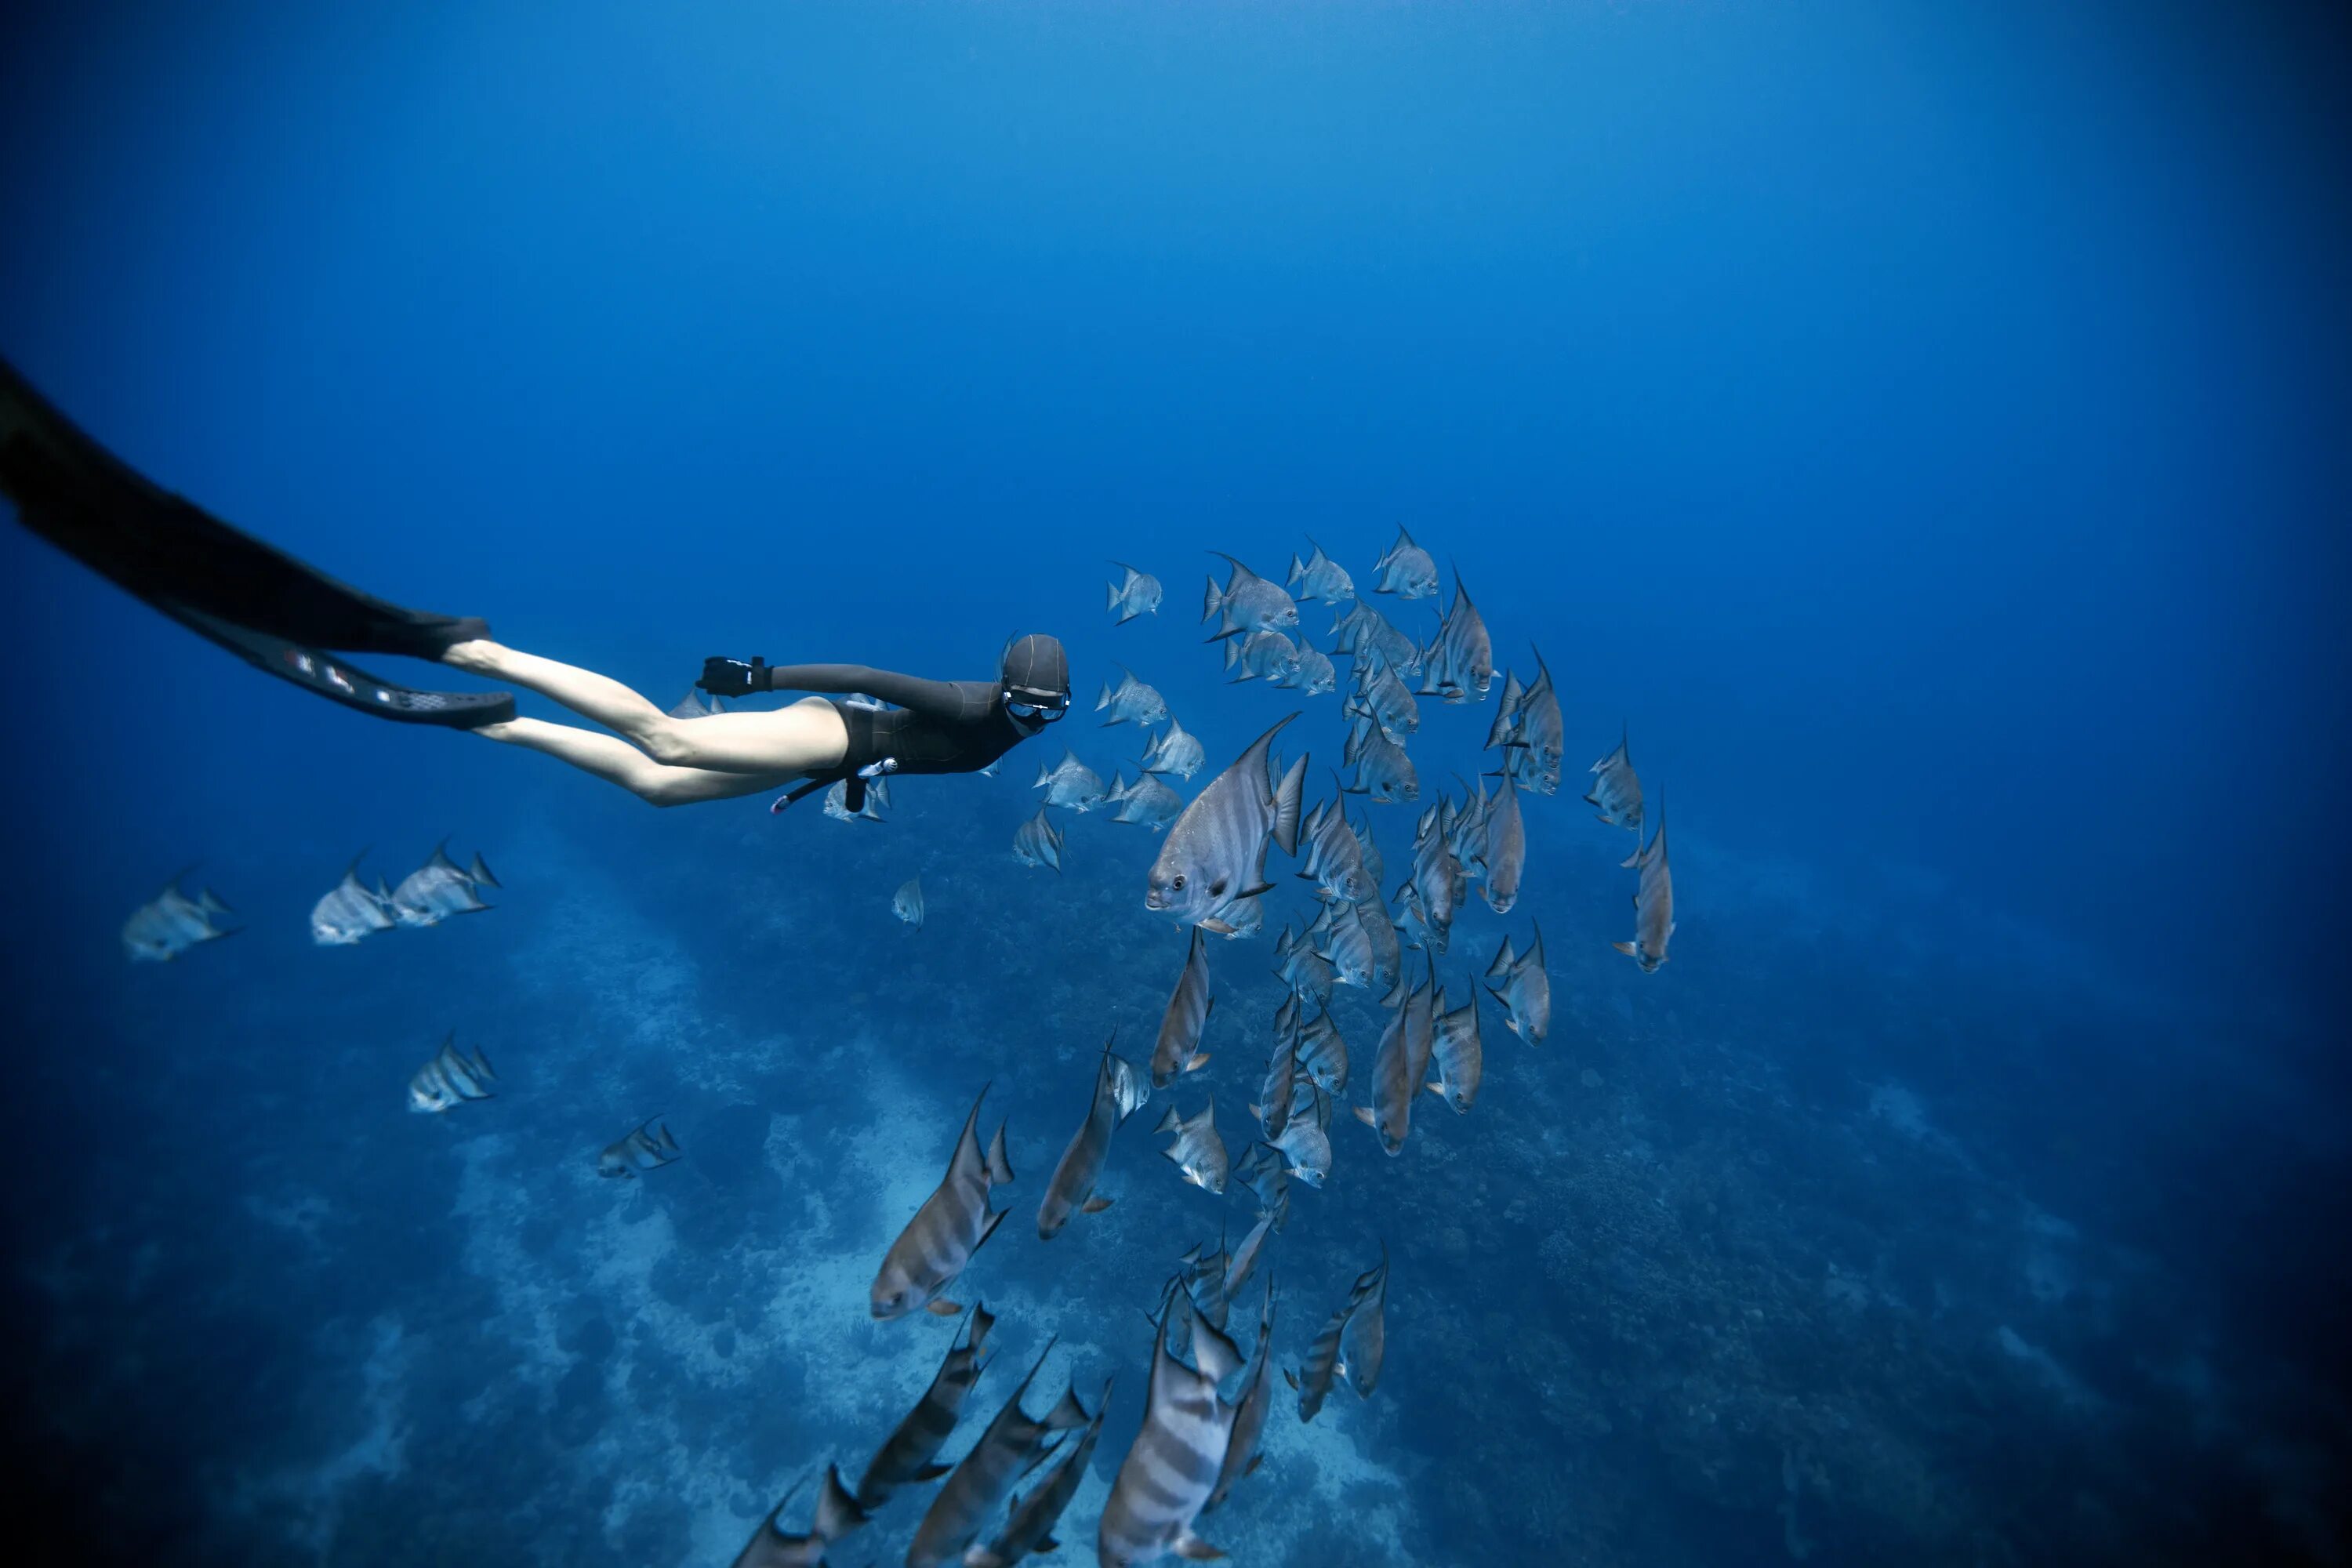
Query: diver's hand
x=733, y=677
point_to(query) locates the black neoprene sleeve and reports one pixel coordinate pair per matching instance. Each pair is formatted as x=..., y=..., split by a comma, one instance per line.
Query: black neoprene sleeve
x=939, y=698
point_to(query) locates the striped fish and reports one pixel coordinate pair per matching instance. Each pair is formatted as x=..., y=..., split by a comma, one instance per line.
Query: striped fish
x=1071, y=1188
x=1338, y=1342
x=1461, y=663
x=1214, y=855
x=1347, y=943
x=1507, y=713
x=1268, y=1174
x=1461, y=1055
x=1177, y=1049
x=1205, y=1276
x=1382, y=770
x=772, y=1546
x=1375, y=871
x=647, y=1148
x=1242, y=1260
x=1306, y=1141
x=1526, y=990
x=1539, y=740
x=1380, y=935
x=1307, y=973
x=905, y=1456
x=1198, y=1152
x=347, y=911
x=1324, y=1054
x=1037, y=842
x=907, y=903
x=1654, y=904
x=1135, y=593
x=1147, y=802
x=1616, y=793
x=1319, y=577
x=1363, y=1342
x=1273, y=1107
x=1407, y=570
x=1505, y=854
x=1254, y=1403
x=451, y=1077
x=1177, y=1457
x=1131, y=701
x=1334, y=860
x=1011, y=1445
x=1384, y=699
x=952, y=1226
x=1174, y=750
x=1397, y=1067
x=1030, y=1526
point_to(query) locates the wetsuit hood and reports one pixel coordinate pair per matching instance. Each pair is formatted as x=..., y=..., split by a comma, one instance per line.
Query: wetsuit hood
x=1036, y=670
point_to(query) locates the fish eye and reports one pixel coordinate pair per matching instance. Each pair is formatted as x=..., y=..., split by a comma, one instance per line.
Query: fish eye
x=1179, y=882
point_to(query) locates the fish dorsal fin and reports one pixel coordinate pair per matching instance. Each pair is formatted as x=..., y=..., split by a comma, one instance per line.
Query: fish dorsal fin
x=967, y=1163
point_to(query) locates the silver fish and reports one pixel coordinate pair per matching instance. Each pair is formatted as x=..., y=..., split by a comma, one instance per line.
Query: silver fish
x=1135, y=593
x=907, y=903
x=1273, y=1107
x=1261, y=656
x=1250, y=1410
x=1314, y=673
x=1506, y=856
x=1147, y=802
x=1131, y=701
x=1363, y=1341
x=1242, y=1262
x=1616, y=793
x=1178, y=1048
x=951, y=1224
x=1319, y=577
x=1204, y=1277
x=1654, y=904
x=1070, y=785
x=441, y=887
x=1526, y=990
x=1381, y=697
x=1307, y=973
x=1382, y=770
x=1198, y=1152
x=836, y=802
x=1323, y=1366
x=1506, y=712
x=1247, y=602
x=1460, y=1054
x=772, y=1546
x=1380, y=935
x=1539, y=740
x=1030, y=1526
x=450, y=1077
x=1334, y=856
x=1413, y=922
x=1466, y=824
x=1037, y=842
x=1324, y=1054
x=171, y=923
x=1268, y=1174
x=1175, y=751
x=1013, y=1444
x=905, y=1458
x=646, y=1148
x=1407, y=571
x=1345, y=944
x=695, y=705
x=1071, y=1188
x=1437, y=877
x=1174, y=1466
x=1368, y=636
x=1306, y=1142
x=1393, y=1084
x=348, y=911
x=1461, y=663
x=1215, y=854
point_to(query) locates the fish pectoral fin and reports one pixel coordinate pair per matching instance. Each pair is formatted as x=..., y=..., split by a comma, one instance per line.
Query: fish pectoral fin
x=990, y=1228
x=1048, y=1544
x=1435, y=1086
x=932, y=1472
x=1096, y=1205
x=1625, y=947
x=1290, y=1377
x=1364, y=1115
x=1196, y=1061
x=1218, y=926
x=1192, y=1549
x=1251, y=1469
x=943, y=1308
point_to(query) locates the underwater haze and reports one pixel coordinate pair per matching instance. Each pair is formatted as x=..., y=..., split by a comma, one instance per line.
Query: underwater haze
x=1919, y=428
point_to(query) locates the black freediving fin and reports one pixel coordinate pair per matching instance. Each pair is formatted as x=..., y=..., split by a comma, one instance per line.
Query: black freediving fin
x=261, y=603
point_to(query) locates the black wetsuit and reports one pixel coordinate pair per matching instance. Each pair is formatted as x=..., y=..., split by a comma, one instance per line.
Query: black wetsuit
x=938, y=726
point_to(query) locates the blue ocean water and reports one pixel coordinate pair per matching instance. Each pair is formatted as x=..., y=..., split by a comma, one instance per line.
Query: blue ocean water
x=1920, y=427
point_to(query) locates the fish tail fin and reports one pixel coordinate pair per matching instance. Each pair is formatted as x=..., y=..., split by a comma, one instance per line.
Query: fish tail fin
x=212, y=904
x=1103, y=701
x=837, y=1513
x=480, y=873
x=1212, y=601
x=1111, y=596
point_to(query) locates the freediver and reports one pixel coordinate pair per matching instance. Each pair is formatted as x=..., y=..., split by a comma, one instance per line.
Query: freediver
x=291, y=620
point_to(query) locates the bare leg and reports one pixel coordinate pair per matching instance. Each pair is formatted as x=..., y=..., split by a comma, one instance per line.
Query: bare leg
x=800, y=738
x=623, y=764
